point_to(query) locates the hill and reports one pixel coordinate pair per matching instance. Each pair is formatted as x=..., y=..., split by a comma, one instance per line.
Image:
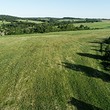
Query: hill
x=54, y=71
x=14, y=18
x=10, y=25
x=8, y=18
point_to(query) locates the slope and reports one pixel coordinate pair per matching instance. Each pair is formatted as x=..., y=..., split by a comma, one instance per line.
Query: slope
x=53, y=71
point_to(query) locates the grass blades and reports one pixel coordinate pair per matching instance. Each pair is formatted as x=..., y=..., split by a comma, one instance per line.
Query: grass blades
x=53, y=71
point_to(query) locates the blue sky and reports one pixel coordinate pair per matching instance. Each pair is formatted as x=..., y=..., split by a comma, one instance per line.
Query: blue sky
x=56, y=8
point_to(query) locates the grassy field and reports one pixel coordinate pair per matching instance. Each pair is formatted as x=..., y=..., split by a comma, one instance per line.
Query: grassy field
x=104, y=24
x=5, y=22
x=31, y=21
x=53, y=71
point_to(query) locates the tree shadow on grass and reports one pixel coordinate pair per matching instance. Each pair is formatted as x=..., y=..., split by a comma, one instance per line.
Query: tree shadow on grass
x=106, y=65
x=80, y=105
x=104, y=62
x=88, y=71
x=94, y=46
x=102, y=49
x=98, y=57
x=95, y=42
x=98, y=50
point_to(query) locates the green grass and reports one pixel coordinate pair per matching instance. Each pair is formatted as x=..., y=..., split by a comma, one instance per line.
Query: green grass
x=43, y=72
x=104, y=24
x=31, y=21
x=5, y=22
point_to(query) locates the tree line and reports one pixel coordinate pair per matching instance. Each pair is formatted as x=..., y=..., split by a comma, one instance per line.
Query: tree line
x=45, y=19
x=19, y=27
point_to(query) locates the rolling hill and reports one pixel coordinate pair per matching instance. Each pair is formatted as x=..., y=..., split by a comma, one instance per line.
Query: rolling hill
x=54, y=71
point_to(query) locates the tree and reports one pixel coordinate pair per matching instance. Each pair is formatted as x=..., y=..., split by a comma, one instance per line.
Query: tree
x=105, y=43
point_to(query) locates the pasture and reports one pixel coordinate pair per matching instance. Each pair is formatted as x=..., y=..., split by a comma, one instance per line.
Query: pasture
x=53, y=71
x=30, y=21
x=105, y=24
x=5, y=22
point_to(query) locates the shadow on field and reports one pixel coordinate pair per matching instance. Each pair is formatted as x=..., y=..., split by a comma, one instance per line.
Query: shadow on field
x=88, y=71
x=94, y=46
x=95, y=42
x=101, y=49
x=80, y=105
x=106, y=65
x=98, y=57
x=97, y=50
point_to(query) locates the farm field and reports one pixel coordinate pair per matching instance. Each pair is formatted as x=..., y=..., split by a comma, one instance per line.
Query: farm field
x=104, y=24
x=53, y=71
x=30, y=21
x=5, y=22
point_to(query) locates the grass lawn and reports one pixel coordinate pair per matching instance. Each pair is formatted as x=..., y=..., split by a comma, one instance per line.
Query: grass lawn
x=53, y=71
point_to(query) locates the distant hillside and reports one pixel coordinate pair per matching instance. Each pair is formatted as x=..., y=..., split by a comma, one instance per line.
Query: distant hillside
x=8, y=18
x=14, y=18
x=10, y=25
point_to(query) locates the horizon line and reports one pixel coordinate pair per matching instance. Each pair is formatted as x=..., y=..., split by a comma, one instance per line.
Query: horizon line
x=53, y=17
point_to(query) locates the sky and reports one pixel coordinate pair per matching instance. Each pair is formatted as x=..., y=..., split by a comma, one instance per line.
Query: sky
x=56, y=8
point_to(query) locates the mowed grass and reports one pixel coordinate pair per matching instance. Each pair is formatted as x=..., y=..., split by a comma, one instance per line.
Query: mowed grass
x=53, y=71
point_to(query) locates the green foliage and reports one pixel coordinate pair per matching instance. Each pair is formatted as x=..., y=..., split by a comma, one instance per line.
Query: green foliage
x=92, y=20
x=105, y=51
x=8, y=18
x=16, y=25
x=106, y=42
x=19, y=27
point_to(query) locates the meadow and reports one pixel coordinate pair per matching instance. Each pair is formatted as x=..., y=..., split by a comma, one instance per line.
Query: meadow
x=54, y=71
x=104, y=24
x=30, y=21
x=5, y=22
